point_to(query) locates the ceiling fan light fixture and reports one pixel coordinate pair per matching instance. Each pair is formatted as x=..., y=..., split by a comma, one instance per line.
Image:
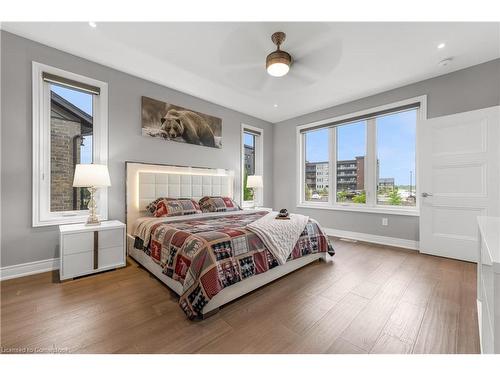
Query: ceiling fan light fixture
x=277, y=67
x=278, y=62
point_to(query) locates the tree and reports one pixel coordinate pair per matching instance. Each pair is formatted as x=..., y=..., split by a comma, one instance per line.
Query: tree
x=247, y=192
x=361, y=198
x=308, y=193
x=342, y=196
x=395, y=198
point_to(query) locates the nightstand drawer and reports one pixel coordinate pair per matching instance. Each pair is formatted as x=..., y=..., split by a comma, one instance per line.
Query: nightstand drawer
x=111, y=238
x=111, y=256
x=78, y=264
x=78, y=242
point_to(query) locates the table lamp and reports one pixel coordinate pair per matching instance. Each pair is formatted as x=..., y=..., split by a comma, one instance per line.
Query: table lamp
x=91, y=176
x=254, y=182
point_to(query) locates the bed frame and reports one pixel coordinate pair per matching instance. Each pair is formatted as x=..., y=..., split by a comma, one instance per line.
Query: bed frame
x=146, y=182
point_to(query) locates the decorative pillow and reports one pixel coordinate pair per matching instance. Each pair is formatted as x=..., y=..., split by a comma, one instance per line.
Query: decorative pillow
x=173, y=207
x=218, y=204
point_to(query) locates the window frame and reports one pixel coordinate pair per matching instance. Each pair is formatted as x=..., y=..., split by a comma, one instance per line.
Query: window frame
x=41, y=171
x=259, y=164
x=370, y=161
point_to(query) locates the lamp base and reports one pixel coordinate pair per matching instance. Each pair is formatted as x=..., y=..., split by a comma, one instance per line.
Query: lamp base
x=92, y=219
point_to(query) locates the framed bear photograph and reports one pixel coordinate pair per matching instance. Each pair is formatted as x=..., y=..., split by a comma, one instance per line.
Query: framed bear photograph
x=178, y=124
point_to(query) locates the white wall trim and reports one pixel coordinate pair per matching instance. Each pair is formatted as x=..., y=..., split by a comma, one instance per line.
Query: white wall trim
x=31, y=268
x=480, y=319
x=373, y=238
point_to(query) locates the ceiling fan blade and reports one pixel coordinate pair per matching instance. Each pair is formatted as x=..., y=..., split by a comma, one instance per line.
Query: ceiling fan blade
x=245, y=49
x=304, y=72
x=321, y=59
x=264, y=84
x=245, y=65
x=248, y=78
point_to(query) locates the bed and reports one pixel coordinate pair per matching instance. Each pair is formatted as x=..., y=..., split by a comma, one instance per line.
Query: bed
x=207, y=259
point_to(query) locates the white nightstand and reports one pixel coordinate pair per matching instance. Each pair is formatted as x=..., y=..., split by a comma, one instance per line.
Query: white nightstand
x=87, y=249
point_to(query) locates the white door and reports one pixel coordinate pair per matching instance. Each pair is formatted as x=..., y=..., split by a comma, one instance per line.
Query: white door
x=459, y=180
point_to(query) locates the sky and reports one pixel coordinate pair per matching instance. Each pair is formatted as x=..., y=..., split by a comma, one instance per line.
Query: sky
x=395, y=144
x=248, y=139
x=84, y=102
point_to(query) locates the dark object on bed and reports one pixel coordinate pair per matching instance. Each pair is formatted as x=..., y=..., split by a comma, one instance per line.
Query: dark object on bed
x=283, y=214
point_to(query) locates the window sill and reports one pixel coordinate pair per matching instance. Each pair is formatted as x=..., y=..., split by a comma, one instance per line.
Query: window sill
x=352, y=208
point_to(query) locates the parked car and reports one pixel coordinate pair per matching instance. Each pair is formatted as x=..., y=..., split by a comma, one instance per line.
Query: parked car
x=315, y=196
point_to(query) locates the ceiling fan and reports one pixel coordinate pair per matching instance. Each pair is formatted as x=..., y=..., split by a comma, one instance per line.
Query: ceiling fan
x=311, y=53
x=278, y=62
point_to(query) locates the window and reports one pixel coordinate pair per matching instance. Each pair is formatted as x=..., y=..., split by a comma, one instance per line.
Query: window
x=252, y=164
x=396, y=159
x=317, y=166
x=364, y=161
x=351, y=152
x=69, y=128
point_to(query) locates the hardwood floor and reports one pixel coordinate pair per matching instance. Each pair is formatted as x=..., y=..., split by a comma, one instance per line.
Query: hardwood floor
x=367, y=299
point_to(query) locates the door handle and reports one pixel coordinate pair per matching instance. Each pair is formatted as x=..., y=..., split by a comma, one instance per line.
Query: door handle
x=425, y=195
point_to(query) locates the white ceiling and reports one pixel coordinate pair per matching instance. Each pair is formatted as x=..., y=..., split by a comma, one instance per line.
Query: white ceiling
x=225, y=62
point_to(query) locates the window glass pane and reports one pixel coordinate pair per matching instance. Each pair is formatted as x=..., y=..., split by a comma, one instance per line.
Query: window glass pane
x=351, y=151
x=316, y=144
x=396, y=142
x=71, y=130
x=249, y=157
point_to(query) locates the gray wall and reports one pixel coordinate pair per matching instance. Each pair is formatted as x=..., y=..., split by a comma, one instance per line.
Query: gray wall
x=465, y=90
x=20, y=242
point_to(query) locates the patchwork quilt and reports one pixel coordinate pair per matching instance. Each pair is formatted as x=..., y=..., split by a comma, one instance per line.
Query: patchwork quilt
x=208, y=254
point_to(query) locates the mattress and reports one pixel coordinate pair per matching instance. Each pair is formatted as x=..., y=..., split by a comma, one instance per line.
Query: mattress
x=208, y=252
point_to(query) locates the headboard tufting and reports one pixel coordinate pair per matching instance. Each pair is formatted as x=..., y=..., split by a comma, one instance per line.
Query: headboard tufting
x=146, y=182
x=154, y=185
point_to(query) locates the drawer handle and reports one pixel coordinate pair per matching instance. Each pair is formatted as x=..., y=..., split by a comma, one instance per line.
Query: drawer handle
x=96, y=250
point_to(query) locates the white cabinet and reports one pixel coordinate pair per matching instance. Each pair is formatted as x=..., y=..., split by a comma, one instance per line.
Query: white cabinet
x=86, y=249
x=488, y=284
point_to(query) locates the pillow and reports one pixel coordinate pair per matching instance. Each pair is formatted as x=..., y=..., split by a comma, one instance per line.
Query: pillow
x=218, y=204
x=173, y=207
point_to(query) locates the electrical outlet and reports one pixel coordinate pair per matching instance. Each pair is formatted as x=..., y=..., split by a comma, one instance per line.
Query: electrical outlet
x=385, y=221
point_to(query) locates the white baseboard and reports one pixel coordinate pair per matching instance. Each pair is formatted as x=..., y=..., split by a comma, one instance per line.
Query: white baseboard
x=25, y=269
x=480, y=325
x=381, y=240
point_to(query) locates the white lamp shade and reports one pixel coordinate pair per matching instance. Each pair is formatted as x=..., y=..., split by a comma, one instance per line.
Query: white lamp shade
x=87, y=175
x=278, y=69
x=255, y=182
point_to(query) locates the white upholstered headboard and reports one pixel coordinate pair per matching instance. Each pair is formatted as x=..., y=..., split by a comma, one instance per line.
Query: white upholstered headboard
x=146, y=182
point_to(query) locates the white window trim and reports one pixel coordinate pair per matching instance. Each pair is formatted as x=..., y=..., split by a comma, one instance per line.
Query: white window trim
x=370, y=159
x=41, y=147
x=259, y=165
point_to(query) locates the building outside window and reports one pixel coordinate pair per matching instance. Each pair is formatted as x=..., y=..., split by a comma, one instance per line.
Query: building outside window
x=316, y=164
x=71, y=129
x=249, y=156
